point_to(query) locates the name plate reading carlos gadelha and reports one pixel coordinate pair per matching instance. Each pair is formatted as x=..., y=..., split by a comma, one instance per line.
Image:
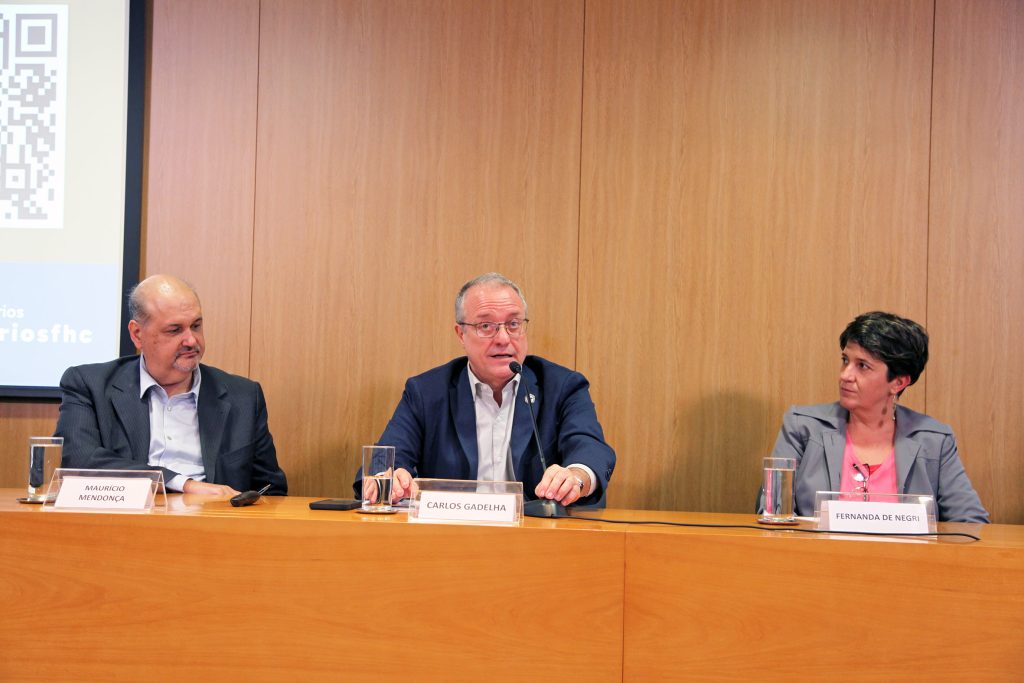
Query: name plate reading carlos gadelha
x=457, y=506
x=104, y=493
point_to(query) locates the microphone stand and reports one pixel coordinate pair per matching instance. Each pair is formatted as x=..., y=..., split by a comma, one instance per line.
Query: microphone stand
x=541, y=507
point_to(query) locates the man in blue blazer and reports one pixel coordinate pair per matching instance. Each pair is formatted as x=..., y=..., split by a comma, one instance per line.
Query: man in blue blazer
x=467, y=419
x=204, y=428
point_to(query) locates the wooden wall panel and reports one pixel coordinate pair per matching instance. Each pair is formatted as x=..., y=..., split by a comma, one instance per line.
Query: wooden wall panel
x=201, y=161
x=754, y=175
x=403, y=148
x=976, y=251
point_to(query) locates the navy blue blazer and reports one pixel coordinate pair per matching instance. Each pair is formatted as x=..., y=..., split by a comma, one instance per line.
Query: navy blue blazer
x=105, y=425
x=433, y=429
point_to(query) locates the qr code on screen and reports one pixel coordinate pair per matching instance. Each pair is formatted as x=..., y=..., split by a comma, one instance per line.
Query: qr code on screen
x=33, y=74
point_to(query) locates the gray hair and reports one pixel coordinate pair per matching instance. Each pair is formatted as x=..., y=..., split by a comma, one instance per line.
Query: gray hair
x=137, y=298
x=496, y=279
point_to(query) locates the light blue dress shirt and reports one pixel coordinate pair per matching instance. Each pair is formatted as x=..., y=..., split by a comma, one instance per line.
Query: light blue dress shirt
x=174, y=429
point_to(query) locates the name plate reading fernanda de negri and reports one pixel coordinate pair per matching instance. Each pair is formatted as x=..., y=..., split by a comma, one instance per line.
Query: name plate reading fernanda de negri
x=462, y=507
x=875, y=517
x=104, y=493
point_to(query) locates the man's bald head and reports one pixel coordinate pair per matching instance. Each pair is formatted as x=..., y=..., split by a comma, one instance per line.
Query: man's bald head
x=162, y=287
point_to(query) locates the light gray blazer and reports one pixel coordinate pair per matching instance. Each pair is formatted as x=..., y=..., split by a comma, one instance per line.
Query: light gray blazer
x=927, y=461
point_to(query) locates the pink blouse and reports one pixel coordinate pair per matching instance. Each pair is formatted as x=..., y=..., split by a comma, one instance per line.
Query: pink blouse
x=880, y=478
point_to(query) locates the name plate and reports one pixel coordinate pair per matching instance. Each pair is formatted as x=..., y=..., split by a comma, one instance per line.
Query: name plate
x=900, y=518
x=104, y=493
x=458, y=506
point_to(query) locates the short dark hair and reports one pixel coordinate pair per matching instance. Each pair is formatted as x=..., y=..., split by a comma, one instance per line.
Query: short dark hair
x=899, y=342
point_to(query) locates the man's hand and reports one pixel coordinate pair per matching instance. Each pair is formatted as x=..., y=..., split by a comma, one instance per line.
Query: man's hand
x=207, y=489
x=401, y=486
x=560, y=484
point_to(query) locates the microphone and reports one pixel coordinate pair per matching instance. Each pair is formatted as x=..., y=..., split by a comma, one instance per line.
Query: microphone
x=248, y=497
x=542, y=507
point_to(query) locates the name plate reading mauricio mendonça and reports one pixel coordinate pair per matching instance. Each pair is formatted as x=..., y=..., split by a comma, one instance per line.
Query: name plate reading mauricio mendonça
x=132, y=493
x=446, y=501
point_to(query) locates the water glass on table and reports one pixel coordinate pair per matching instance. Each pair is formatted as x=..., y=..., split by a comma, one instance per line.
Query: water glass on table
x=378, y=470
x=44, y=454
x=778, y=491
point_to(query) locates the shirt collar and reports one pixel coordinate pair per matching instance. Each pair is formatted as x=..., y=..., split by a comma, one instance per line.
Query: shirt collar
x=146, y=380
x=480, y=389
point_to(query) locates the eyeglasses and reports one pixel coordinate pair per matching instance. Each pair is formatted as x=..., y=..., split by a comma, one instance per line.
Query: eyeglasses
x=514, y=328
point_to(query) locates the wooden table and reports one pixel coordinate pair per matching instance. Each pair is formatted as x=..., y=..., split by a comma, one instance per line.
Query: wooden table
x=278, y=591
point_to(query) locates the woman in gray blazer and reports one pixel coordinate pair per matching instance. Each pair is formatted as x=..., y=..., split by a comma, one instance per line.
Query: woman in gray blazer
x=866, y=442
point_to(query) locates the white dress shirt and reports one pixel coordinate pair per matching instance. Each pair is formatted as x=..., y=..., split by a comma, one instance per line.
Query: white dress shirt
x=494, y=433
x=493, y=429
x=174, y=429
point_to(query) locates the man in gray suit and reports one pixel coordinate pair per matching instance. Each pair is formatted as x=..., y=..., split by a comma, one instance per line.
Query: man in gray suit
x=205, y=428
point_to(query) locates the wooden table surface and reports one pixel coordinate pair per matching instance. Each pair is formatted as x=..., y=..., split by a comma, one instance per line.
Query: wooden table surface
x=279, y=591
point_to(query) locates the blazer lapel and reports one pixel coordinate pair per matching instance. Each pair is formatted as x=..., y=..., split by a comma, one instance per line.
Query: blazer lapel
x=835, y=444
x=522, y=425
x=906, y=450
x=213, y=412
x=132, y=410
x=460, y=399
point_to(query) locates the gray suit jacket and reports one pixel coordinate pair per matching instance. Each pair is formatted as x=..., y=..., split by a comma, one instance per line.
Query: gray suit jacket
x=105, y=425
x=927, y=461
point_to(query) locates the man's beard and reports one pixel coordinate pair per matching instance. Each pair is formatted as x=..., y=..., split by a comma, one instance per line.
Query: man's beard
x=190, y=364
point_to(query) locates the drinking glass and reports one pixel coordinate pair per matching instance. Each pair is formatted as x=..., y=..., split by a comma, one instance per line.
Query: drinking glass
x=44, y=453
x=778, y=490
x=378, y=470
